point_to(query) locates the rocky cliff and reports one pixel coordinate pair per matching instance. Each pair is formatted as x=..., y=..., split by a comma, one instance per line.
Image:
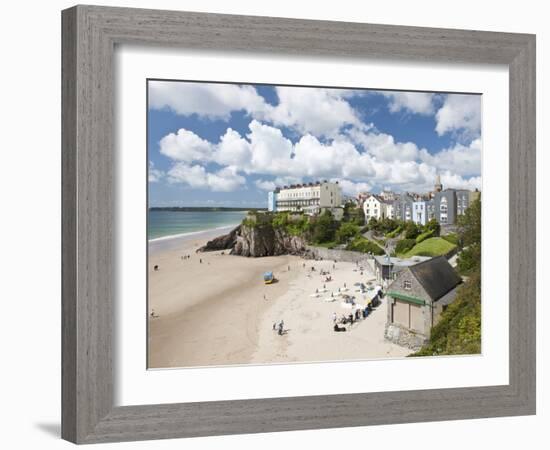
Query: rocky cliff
x=255, y=241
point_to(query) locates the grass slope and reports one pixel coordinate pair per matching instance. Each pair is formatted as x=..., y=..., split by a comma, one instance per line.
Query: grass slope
x=435, y=246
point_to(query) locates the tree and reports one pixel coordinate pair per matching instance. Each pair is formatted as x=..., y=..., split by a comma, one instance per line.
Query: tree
x=411, y=230
x=373, y=223
x=353, y=213
x=469, y=233
x=324, y=228
x=433, y=225
x=347, y=231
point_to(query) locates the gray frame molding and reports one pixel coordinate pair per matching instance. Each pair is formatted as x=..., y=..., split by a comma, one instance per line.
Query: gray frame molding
x=90, y=34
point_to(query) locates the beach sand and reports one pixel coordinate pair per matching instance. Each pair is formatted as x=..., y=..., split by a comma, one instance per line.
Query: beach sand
x=215, y=313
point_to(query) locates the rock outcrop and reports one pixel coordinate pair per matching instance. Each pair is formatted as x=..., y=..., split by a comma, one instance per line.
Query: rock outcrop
x=257, y=241
x=225, y=242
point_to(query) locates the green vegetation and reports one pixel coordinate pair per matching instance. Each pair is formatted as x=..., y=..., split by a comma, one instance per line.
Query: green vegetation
x=425, y=235
x=382, y=226
x=469, y=225
x=346, y=232
x=324, y=228
x=295, y=225
x=353, y=214
x=458, y=331
x=452, y=238
x=412, y=230
x=362, y=244
x=404, y=245
x=434, y=226
x=434, y=246
x=396, y=232
x=329, y=245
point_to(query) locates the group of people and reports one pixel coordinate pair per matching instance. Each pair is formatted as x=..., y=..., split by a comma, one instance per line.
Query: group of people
x=352, y=317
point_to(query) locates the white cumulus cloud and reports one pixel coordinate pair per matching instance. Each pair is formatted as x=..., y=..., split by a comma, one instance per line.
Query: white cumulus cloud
x=155, y=175
x=460, y=113
x=185, y=146
x=195, y=176
x=413, y=102
x=204, y=99
x=461, y=159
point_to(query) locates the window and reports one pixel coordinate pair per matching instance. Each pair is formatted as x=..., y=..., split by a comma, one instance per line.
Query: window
x=407, y=285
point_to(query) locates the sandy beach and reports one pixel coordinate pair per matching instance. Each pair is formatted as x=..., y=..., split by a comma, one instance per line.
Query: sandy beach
x=214, y=309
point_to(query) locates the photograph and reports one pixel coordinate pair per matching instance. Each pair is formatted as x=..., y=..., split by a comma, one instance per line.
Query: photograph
x=300, y=224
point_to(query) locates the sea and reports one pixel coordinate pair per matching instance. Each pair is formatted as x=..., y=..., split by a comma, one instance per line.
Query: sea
x=170, y=224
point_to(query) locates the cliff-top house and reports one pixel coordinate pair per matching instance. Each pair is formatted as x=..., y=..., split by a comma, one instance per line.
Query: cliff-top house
x=310, y=198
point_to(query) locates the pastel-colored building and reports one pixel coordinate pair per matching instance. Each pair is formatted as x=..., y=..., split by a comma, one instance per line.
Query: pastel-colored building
x=310, y=198
x=271, y=201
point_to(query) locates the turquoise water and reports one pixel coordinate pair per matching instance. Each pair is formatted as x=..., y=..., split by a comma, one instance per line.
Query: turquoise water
x=173, y=223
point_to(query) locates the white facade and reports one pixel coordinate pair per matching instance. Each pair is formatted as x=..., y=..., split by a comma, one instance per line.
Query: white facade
x=389, y=210
x=309, y=198
x=377, y=208
x=419, y=213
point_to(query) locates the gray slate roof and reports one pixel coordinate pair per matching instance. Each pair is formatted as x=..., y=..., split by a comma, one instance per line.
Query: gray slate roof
x=436, y=276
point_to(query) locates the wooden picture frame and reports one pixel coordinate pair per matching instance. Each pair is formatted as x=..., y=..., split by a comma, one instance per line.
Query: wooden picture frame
x=90, y=34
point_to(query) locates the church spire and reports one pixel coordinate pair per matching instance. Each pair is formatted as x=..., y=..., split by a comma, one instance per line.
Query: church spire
x=438, y=186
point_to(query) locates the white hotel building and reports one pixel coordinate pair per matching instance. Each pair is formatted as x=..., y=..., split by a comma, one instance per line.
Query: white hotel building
x=311, y=198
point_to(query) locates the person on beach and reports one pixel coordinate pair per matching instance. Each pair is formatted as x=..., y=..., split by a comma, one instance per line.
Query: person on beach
x=280, y=328
x=274, y=326
x=200, y=261
x=334, y=318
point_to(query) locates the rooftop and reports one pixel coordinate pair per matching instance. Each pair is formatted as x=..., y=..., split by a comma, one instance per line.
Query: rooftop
x=436, y=276
x=387, y=260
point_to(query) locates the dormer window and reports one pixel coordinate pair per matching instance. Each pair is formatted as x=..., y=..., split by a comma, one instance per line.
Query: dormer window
x=407, y=285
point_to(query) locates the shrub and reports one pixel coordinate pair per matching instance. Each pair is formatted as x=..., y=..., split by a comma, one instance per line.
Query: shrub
x=411, y=230
x=324, y=228
x=434, y=226
x=452, y=238
x=459, y=329
x=346, y=231
x=361, y=244
x=469, y=259
x=423, y=236
x=353, y=214
x=404, y=245
x=395, y=232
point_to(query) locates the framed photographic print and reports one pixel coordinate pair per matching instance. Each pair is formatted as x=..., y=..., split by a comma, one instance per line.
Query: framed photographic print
x=323, y=215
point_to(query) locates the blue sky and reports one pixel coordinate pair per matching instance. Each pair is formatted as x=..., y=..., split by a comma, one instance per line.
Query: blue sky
x=229, y=144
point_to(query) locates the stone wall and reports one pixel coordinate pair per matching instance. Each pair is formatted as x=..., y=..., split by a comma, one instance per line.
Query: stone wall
x=404, y=337
x=338, y=255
